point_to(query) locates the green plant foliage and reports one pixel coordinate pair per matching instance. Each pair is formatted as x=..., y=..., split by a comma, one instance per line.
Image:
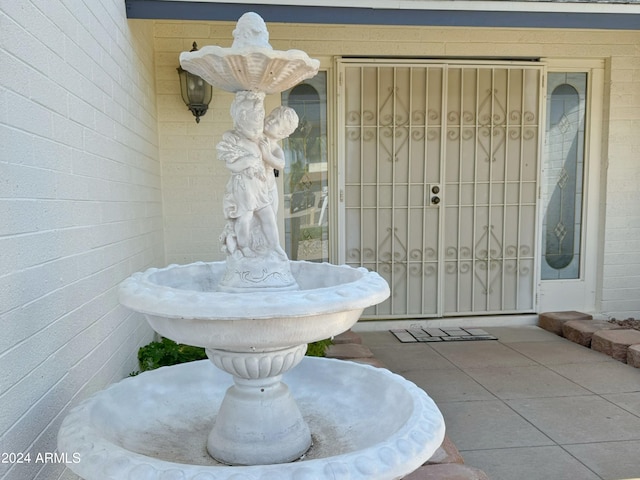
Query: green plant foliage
x=316, y=349
x=167, y=352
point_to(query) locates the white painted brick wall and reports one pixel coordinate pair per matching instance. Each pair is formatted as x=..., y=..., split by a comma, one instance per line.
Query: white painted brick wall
x=621, y=287
x=80, y=210
x=193, y=178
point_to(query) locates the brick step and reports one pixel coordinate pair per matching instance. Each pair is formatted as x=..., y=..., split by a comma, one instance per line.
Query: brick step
x=633, y=356
x=447, y=471
x=619, y=342
x=553, y=321
x=581, y=331
x=446, y=453
x=615, y=343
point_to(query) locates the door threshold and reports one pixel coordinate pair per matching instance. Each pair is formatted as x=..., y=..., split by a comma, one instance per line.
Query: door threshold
x=473, y=321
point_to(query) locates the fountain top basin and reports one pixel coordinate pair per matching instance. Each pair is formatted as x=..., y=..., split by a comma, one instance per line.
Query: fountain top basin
x=243, y=69
x=251, y=64
x=181, y=302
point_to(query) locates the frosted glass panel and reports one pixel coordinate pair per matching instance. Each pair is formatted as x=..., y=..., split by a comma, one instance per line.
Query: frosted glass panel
x=563, y=172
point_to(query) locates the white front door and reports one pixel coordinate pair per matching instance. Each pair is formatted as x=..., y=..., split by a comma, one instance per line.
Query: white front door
x=438, y=180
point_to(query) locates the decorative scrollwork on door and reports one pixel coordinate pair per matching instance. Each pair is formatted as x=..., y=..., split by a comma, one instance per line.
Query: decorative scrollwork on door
x=488, y=259
x=469, y=131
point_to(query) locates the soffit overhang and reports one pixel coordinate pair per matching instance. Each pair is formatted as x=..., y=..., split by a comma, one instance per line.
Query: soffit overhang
x=611, y=15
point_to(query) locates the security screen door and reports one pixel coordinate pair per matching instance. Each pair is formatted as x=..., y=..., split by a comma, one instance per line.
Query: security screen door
x=438, y=183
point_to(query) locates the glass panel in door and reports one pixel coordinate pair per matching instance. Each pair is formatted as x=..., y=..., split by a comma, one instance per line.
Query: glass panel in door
x=306, y=189
x=562, y=187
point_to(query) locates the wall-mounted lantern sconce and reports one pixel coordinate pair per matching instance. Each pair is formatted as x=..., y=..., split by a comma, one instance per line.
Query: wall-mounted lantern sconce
x=196, y=93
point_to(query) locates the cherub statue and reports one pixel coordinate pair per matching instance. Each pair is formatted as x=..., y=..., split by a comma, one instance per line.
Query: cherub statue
x=249, y=194
x=281, y=122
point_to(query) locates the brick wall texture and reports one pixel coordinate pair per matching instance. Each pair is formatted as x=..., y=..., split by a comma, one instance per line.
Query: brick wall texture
x=80, y=210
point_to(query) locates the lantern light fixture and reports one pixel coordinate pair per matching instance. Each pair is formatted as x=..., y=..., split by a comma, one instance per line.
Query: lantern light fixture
x=196, y=93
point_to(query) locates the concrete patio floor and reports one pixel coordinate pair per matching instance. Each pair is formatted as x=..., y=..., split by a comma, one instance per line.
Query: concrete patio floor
x=530, y=405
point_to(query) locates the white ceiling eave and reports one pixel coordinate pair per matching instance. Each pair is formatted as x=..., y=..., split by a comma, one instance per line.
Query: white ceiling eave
x=581, y=6
x=612, y=14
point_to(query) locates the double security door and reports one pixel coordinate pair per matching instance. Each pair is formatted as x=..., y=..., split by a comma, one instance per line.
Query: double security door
x=438, y=183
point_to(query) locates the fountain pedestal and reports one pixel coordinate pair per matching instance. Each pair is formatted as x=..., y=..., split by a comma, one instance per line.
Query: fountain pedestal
x=257, y=338
x=258, y=422
x=154, y=426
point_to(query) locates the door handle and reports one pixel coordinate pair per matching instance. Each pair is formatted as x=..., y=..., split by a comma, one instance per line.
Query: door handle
x=435, y=200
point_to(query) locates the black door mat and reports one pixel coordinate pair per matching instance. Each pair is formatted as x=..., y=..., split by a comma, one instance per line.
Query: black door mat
x=413, y=335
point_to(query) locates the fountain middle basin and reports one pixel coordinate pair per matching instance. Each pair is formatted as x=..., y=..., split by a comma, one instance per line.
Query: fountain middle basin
x=366, y=422
x=182, y=302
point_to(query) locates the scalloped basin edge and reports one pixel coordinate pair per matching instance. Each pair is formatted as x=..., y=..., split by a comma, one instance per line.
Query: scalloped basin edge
x=150, y=426
x=181, y=302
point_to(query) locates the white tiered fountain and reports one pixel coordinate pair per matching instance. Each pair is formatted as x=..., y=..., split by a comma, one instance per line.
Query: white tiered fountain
x=254, y=313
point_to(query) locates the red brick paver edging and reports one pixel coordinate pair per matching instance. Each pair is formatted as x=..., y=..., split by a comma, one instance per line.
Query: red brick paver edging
x=447, y=471
x=581, y=331
x=553, y=321
x=633, y=356
x=617, y=341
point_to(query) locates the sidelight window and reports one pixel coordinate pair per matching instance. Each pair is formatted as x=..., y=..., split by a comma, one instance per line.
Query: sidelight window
x=562, y=184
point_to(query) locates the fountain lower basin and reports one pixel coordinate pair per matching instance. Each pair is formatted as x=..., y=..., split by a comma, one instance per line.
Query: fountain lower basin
x=366, y=423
